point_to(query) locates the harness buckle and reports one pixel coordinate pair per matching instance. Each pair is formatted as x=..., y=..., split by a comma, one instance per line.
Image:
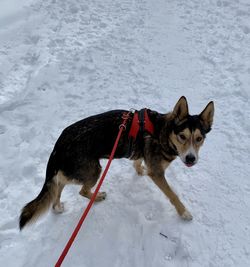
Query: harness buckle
x=125, y=116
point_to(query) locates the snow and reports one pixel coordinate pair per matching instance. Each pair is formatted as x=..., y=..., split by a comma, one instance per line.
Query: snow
x=61, y=61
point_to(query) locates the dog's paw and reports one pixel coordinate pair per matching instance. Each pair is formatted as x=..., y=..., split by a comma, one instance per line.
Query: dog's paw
x=58, y=208
x=139, y=168
x=100, y=196
x=187, y=216
x=140, y=172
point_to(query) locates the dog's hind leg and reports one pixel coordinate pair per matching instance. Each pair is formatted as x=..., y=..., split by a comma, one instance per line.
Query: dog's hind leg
x=138, y=166
x=61, y=180
x=92, y=170
x=58, y=206
x=86, y=192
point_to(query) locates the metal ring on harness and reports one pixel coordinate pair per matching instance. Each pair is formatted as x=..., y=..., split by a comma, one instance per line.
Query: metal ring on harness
x=122, y=126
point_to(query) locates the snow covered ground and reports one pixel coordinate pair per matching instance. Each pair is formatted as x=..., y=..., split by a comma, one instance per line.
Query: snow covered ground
x=61, y=61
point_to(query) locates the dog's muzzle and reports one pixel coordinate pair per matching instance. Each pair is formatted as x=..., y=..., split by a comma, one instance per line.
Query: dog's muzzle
x=190, y=160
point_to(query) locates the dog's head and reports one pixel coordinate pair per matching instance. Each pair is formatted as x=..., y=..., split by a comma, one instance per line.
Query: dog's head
x=188, y=132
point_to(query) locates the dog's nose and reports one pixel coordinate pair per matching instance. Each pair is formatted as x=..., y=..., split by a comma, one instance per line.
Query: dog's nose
x=190, y=159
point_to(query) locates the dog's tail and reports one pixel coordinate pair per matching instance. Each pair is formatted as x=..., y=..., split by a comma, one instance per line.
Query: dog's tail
x=32, y=210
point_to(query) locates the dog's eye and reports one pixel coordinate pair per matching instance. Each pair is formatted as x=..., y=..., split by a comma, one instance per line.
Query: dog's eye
x=198, y=139
x=182, y=137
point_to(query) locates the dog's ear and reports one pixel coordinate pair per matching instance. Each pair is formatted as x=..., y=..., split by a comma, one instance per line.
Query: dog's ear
x=181, y=109
x=207, y=116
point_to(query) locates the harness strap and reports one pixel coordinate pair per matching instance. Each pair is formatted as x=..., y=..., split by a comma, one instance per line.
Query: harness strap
x=140, y=122
x=149, y=126
x=134, y=129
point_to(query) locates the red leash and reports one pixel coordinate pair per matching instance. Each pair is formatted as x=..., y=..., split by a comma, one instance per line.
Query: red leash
x=122, y=127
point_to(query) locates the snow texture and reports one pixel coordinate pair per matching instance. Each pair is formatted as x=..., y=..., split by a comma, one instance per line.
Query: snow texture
x=61, y=61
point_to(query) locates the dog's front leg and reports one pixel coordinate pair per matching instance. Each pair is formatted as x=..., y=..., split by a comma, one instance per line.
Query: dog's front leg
x=157, y=175
x=138, y=166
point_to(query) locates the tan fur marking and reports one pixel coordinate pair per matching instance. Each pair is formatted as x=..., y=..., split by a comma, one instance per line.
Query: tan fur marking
x=63, y=179
x=165, y=164
x=86, y=192
x=138, y=166
x=196, y=144
x=187, y=133
x=197, y=133
x=182, y=146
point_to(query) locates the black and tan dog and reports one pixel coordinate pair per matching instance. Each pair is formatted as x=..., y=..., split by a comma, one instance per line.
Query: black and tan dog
x=75, y=157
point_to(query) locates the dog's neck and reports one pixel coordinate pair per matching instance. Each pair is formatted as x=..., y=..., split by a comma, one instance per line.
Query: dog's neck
x=163, y=128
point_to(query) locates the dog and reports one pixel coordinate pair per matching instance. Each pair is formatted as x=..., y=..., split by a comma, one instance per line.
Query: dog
x=155, y=138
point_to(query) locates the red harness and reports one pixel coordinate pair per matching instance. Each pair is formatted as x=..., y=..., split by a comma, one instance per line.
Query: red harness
x=143, y=123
